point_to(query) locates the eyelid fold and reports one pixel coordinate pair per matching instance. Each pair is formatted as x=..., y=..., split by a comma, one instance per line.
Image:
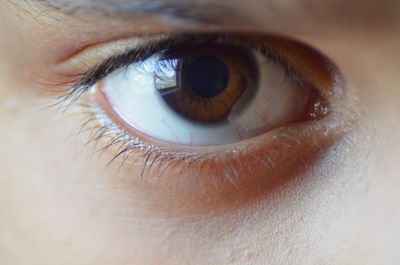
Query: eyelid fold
x=95, y=54
x=92, y=56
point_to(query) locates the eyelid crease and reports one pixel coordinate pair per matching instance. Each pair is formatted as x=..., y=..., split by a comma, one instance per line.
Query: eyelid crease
x=96, y=53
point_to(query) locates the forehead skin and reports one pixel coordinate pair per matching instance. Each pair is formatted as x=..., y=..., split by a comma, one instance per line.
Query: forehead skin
x=58, y=207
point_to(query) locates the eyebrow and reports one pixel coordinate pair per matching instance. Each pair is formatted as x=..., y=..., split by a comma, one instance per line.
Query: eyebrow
x=205, y=13
x=295, y=14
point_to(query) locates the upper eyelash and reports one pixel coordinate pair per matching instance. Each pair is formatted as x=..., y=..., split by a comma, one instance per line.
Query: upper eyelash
x=85, y=81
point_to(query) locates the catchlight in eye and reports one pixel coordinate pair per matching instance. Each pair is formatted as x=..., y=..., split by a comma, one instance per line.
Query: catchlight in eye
x=205, y=86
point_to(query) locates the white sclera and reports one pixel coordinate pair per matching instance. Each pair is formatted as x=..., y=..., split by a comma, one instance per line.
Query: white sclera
x=133, y=96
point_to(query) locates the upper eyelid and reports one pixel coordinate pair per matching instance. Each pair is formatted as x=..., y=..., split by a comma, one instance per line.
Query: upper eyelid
x=107, y=59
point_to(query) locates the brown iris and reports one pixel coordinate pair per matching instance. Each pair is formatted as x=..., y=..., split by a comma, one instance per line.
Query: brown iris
x=204, y=82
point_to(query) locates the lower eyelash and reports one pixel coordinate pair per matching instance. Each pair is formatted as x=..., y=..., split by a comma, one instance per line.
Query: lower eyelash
x=225, y=166
x=130, y=149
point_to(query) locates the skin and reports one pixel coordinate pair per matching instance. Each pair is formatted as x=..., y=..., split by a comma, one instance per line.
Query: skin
x=59, y=205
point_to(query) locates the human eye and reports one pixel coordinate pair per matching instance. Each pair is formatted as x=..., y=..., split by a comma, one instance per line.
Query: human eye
x=207, y=92
x=213, y=106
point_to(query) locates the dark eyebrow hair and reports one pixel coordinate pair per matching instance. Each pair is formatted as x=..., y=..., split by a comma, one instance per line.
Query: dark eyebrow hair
x=206, y=12
x=257, y=14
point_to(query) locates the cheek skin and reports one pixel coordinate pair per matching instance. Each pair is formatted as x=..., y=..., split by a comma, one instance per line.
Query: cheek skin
x=372, y=73
x=72, y=211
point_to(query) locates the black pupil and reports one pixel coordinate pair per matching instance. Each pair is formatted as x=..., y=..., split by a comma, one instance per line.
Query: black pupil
x=208, y=76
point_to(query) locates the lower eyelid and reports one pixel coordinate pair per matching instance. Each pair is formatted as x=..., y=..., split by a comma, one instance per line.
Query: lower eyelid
x=221, y=181
x=265, y=158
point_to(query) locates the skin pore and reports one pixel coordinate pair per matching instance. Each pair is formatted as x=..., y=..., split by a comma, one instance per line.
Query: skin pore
x=59, y=204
